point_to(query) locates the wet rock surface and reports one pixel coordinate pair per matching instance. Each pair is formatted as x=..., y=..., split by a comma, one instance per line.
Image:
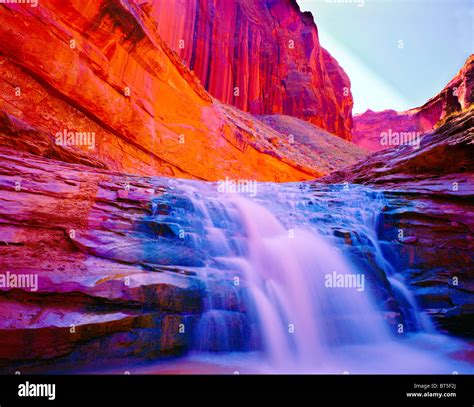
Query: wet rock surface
x=125, y=273
x=105, y=284
x=428, y=226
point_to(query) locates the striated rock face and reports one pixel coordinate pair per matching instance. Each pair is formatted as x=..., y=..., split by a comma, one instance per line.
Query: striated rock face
x=104, y=269
x=443, y=152
x=370, y=127
x=98, y=74
x=428, y=226
x=111, y=280
x=262, y=56
x=457, y=95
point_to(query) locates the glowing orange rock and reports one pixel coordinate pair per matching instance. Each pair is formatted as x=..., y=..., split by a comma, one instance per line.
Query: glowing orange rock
x=99, y=67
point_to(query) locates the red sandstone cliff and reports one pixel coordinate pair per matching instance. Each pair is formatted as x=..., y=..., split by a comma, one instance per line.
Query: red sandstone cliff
x=456, y=96
x=262, y=56
x=101, y=68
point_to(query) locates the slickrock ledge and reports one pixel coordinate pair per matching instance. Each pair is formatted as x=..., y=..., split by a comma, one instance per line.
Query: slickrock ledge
x=111, y=284
x=431, y=191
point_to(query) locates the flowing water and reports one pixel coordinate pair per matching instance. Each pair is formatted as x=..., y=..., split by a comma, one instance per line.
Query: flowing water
x=297, y=281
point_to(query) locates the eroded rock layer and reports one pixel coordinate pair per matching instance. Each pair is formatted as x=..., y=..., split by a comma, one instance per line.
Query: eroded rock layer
x=108, y=281
x=374, y=130
x=262, y=56
x=428, y=227
x=97, y=74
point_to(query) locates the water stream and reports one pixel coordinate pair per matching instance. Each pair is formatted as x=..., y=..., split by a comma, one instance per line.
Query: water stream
x=297, y=281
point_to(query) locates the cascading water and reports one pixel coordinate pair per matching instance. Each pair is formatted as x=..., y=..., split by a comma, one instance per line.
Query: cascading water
x=300, y=319
x=283, y=287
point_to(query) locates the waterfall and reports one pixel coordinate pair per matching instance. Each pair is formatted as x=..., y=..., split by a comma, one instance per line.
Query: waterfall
x=281, y=282
x=300, y=318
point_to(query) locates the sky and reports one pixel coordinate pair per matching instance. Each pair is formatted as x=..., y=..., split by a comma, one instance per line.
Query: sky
x=397, y=53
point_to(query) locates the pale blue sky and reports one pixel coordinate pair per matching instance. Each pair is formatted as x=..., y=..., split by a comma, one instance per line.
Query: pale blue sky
x=437, y=35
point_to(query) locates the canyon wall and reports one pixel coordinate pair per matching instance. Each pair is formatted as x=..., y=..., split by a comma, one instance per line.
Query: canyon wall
x=262, y=56
x=98, y=73
x=456, y=96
